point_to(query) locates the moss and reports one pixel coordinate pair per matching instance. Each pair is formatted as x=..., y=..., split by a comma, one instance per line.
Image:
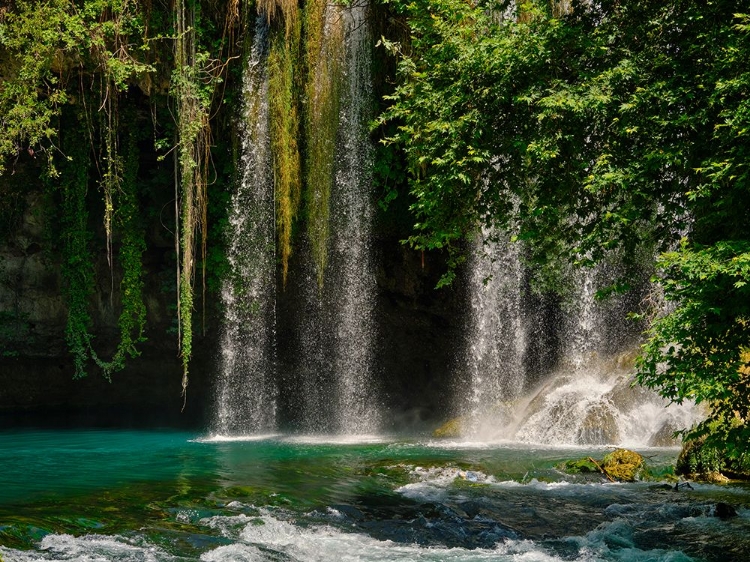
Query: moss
x=451, y=428
x=700, y=460
x=578, y=466
x=324, y=49
x=284, y=125
x=624, y=465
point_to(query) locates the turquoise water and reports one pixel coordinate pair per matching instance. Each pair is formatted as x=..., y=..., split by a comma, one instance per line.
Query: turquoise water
x=97, y=495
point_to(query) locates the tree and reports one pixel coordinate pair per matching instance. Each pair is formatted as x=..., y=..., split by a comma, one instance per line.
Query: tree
x=590, y=128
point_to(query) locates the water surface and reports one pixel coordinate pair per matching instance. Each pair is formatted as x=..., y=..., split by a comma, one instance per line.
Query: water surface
x=91, y=495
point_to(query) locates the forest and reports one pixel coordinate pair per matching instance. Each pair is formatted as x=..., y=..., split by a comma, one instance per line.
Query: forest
x=586, y=131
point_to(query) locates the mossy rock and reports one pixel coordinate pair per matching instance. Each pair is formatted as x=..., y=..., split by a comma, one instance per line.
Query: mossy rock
x=624, y=465
x=451, y=428
x=578, y=466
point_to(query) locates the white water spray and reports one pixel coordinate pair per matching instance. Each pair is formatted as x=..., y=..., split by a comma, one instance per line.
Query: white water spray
x=246, y=393
x=587, y=397
x=496, y=333
x=352, y=215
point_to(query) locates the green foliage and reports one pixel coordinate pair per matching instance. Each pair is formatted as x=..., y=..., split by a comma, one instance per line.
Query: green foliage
x=699, y=350
x=132, y=320
x=40, y=43
x=698, y=458
x=77, y=267
x=608, y=128
x=198, y=71
x=71, y=188
x=579, y=466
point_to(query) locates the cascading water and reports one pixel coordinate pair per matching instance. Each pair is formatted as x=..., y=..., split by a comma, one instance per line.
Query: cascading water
x=352, y=215
x=496, y=333
x=587, y=398
x=246, y=392
x=335, y=327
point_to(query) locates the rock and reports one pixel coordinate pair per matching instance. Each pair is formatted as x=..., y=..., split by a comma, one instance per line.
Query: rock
x=451, y=428
x=599, y=427
x=724, y=511
x=713, y=477
x=580, y=466
x=626, y=397
x=664, y=436
x=624, y=465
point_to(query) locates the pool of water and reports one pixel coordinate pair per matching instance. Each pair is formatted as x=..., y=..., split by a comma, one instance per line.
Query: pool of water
x=99, y=495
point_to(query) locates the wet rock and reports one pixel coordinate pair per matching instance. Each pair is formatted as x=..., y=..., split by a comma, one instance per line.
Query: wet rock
x=599, y=427
x=451, y=428
x=579, y=466
x=724, y=511
x=712, y=477
x=626, y=397
x=624, y=465
x=664, y=436
x=349, y=511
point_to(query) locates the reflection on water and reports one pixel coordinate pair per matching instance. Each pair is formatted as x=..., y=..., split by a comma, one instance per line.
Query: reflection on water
x=136, y=495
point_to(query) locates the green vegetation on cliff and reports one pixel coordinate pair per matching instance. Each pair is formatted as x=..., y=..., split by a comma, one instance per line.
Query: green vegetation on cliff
x=591, y=129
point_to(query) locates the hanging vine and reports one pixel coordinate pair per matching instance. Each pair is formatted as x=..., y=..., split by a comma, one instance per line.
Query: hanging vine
x=195, y=78
x=132, y=320
x=324, y=26
x=70, y=179
x=284, y=119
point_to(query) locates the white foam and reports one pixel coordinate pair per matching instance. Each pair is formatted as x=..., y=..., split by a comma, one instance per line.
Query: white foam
x=325, y=543
x=88, y=548
x=235, y=438
x=234, y=553
x=433, y=482
x=354, y=439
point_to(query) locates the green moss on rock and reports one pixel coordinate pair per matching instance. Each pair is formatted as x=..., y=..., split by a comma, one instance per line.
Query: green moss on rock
x=624, y=465
x=578, y=466
x=451, y=428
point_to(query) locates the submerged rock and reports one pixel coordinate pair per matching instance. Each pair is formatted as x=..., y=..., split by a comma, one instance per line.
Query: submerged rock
x=579, y=466
x=599, y=427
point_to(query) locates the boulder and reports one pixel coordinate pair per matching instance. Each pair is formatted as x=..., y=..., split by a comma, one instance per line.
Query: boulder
x=624, y=465
x=450, y=429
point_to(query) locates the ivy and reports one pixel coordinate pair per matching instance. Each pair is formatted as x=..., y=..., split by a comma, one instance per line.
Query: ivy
x=77, y=267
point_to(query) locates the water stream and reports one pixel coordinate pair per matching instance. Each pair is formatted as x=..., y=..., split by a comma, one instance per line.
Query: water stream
x=246, y=394
x=96, y=495
x=584, y=394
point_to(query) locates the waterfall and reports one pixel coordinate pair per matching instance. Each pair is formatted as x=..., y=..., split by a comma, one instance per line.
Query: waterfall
x=332, y=379
x=586, y=397
x=496, y=332
x=246, y=393
x=352, y=215
x=340, y=396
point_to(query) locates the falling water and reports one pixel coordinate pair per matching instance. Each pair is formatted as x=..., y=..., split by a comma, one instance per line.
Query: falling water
x=335, y=326
x=495, y=332
x=587, y=397
x=246, y=393
x=352, y=215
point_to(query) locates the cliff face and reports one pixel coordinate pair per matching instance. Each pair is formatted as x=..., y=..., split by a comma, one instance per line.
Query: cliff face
x=417, y=330
x=36, y=370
